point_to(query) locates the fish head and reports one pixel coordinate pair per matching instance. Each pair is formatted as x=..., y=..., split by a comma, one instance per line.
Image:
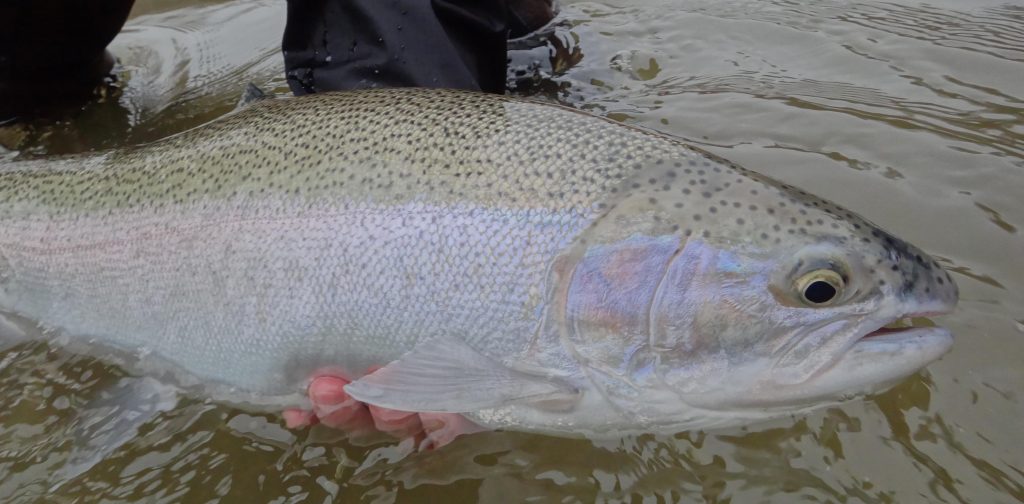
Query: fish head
x=788, y=327
x=726, y=324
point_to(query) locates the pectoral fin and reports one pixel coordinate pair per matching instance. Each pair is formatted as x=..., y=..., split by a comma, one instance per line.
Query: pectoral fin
x=446, y=375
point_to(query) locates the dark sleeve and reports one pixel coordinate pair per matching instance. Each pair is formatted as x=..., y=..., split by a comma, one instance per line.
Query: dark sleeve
x=347, y=44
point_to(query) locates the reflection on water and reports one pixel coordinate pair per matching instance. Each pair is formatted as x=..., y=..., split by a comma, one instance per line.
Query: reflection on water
x=924, y=103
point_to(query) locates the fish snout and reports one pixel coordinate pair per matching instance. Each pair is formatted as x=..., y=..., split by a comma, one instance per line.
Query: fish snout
x=928, y=284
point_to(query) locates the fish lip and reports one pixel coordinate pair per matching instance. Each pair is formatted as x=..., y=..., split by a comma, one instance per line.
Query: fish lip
x=878, y=329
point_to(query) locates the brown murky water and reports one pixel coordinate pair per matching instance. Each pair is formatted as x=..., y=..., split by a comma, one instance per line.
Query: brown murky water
x=912, y=115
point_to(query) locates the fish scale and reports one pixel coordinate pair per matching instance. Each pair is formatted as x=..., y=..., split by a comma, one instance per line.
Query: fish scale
x=340, y=230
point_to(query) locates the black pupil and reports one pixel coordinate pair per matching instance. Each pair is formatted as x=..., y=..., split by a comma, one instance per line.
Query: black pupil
x=819, y=292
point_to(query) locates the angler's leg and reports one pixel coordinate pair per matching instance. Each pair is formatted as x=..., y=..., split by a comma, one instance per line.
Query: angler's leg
x=334, y=45
x=53, y=52
x=351, y=44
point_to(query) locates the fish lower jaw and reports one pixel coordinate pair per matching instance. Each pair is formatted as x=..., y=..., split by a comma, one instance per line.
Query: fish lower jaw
x=908, y=341
x=877, y=362
x=871, y=364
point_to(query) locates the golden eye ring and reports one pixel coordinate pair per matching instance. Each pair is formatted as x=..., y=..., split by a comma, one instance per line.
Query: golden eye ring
x=820, y=287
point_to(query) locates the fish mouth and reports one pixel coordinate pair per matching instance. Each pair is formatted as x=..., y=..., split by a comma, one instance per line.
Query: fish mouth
x=870, y=358
x=887, y=352
x=911, y=323
x=882, y=357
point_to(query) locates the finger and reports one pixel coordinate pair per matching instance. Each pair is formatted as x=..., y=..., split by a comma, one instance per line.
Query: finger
x=334, y=407
x=443, y=428
x=400, y=424
x=295, y=418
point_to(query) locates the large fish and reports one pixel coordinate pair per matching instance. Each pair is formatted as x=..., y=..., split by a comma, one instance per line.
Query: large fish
x=531, y=266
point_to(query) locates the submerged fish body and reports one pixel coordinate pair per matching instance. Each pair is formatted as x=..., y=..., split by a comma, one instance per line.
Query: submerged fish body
x=531, y=266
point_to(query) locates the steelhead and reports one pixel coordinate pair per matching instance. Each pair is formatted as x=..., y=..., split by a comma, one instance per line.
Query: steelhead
x=531, y=266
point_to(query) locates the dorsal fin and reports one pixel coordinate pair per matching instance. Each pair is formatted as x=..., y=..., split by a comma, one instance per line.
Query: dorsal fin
x=253, y=94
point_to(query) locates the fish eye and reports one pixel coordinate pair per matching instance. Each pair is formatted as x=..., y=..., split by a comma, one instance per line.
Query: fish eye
x=820, y=287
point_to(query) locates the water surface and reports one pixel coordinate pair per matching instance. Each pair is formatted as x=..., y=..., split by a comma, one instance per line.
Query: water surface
x=909, y=113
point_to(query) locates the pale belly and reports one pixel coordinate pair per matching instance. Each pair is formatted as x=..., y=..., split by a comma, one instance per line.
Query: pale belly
x=258, y=300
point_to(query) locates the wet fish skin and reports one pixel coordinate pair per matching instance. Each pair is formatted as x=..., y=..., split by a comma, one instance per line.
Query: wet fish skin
x=342, y=230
